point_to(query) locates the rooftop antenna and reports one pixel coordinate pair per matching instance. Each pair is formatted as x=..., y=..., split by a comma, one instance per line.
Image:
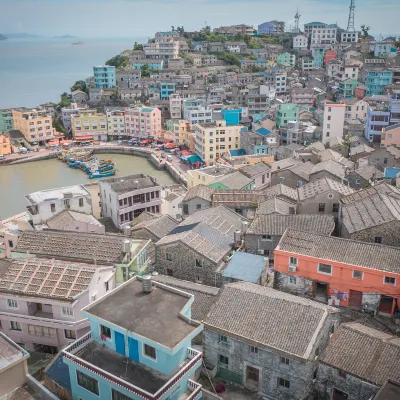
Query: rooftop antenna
x=296, y=22
x=350, y=24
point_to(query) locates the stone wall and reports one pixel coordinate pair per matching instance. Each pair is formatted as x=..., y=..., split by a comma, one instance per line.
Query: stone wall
x=254, y=243
x=293, y=284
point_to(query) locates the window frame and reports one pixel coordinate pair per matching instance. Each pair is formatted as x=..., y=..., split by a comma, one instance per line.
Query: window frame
x=390, y=277
x=324, y=273
x=69, y=337
x=169, y=257
x=103, y=334
x=283, y=383
x=147, y=346
x=16, y=330
x=69, y=315
x=253, y=349
x=267, y=238
x=379, y=241
x=361, y=272
x=96, y=393
x=222, y=338
x=223, y=362
x=284, y=360
x=11, y=307
x=295, y=264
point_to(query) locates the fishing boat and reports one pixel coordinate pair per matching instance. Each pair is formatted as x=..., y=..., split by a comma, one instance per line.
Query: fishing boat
x=102, y=174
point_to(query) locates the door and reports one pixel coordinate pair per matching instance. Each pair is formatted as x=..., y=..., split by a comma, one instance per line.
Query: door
x=355, y=299
x=252, y=377
x=385, y=305
x=339, y=395
x=321, y=292
x=133, y=349
x=39, y=307
x=119, y=343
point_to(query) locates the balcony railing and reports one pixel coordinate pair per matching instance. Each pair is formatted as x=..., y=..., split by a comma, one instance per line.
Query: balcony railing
x=194, y=356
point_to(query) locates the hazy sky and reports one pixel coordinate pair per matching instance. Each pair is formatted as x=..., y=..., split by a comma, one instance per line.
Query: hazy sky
x=130, y=18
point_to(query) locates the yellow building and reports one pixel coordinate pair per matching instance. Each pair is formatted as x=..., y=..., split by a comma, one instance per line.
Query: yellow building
x=89, y=125
x=215, y=139
x=35, y=125
x=181, y=130
x=207, y=175
x=5, y=145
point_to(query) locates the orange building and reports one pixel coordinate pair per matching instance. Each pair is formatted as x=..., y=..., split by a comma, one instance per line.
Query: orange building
x=330, y=55
x=5, y=145
x=339, y=271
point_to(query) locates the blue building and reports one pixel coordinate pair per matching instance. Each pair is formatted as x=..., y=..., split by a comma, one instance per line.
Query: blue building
x=376, y=79
x=104, y=77
x=166, y=89
x=232, y=116
x=318, y=54
x=154, y=65
x=139, y=346
x=271, y=27
x=378, y=117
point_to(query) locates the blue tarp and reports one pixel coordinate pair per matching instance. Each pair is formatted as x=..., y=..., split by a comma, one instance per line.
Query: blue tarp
x=245, y=267
x=390, y=173
x=238, y=152
x=263, y=131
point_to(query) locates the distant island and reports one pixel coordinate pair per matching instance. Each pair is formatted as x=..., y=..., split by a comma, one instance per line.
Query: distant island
x=78, y=44
x=2, y=37
x=21, y=36
x=64, y=37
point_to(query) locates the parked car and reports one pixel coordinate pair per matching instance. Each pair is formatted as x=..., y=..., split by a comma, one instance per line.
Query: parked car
x=163, y=155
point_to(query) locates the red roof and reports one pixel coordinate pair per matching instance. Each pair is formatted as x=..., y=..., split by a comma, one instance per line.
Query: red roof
x=84, y=138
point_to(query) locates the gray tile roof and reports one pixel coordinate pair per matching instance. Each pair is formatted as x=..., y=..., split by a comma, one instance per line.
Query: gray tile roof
x=275, y=224
x=268, y=317
x=331, y=166
x=380, y=187
x=209, y=232
x=158, y=226
x=237, y=198
x=280, y=190
x=204, y=296
x=330, y=154
x=366, y=353
x=253, y=170
x=369, y=172
x=370, y=211
x=237, y=180
x=276, y=205
x=394, y=151
x=362, y=148
x=200, y=191
x=303, y=170
x=65, y=217
x=144, y=216
x=346, y=251
x=312, y=189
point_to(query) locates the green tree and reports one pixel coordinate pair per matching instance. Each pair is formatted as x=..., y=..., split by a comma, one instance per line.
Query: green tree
x=365, y=30
x=65, y=100
x=137, y=46
x=118, y=61
x=80, y=85
x=59, y=127
x=145, y=71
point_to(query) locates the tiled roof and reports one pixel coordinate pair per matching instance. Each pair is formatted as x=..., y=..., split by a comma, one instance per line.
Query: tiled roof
x=370, y=211
x=346, y=251
x=237, y=180
x=303, y=170
x=46, y=278
x=159, y=226
x=144, y=216
x=362, y=148
x=318, y=146
x=312, y=189
x=200, y=191
x=70, y=245
x=209, y=232
x=394, y=151
x=369, y=172
x=268, y=317
x=330, y=166
x=276, y=205
x=239, y=198
x=204, y=296
x=171, y=197
x=366, y=353
x=132, y=182
x=330, y=154
x=253, y=170
x=66, y=217
x=275, y=224
x=280, y=190
x=380, y=187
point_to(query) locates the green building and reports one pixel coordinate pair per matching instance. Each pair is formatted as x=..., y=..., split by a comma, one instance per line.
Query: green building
x=6, y=120
x=347, y=87
x=286, y=113
x=286, y=58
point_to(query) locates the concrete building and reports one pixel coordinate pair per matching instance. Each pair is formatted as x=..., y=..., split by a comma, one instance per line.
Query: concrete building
x=300, y=43
x=166, y=90
x=124, y=199
x=333, y=125
x=6, y=120
x=175, y=106
x=307, y=64
x=169, y=35
x=67, y=112
x=381, y=48
x=115, y=123
x=286, y=113
x=260, y=142
x=356, y=109
x=207, y=175
x=75, y=222
x=349, y=37
x=5, y=145
x=153, y=64
x=324, y=36
x=376, y=79
x=128, y=79
x=143, y=122
x=214, y=139
x=302, y=96
x=89, y=125
x=36, y=126
x=104, y=77
x=378, y=118
x=308, y=28
x=200, y=115
x=234, y=30
x=259, y=173
x=391, y=135
x=235, y=47
x=286, y=59
x=156, y=354
x=260, y=354
x=80, y=98
x=43, y=314
x=168, y=48
x=347, y=87
x=271, y=28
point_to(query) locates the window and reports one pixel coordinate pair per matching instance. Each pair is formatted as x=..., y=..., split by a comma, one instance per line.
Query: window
x=87, y=382
x=253, y=349
x=81, y=202
x=332, y=329
x=281, y=179
x=52, y=207
x=169, y=256
x=335, y=207
x=150, y=351
x=223, y=338
x=69, y=334
x=119, y=396
x=358, y=275
x=321, y=207
x=105, y=331
x=67, y=311
x=291, y=210
x=388, y=280
x=12, y=303
x=198, y=207
x=223, y=359
x=293, y=261
x=106, y=286
x=325, y=269
x=10, y=243
x=285, y=361
x=292, y=280
x=266, y=237
x=378, y=239
x=15, y=326
x=283, y=383
x=328, y=134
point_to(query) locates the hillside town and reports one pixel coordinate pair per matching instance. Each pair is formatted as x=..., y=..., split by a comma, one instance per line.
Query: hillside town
x=267, y=271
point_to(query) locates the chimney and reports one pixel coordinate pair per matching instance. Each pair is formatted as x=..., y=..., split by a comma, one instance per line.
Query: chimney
x=245, y=226
x=147, y=284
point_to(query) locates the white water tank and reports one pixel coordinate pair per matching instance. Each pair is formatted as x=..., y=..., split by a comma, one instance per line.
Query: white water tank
x=126, y=246
x=245, y=226
x=126, y=230
x=147, y=284
x=237, y=235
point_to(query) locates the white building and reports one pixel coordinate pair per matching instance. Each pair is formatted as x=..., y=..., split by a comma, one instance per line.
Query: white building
x=300, y=42
x=172, y=197
x=333, y=125
x=324, y=36
x=356, y=109
x=175, y=106
x=116, y=123
x=349, y=37
x=166, y=49
x=349, y=72
x=382, y=48
x=308, y=28
x=44, y=204
x=201, y=115
x=333, y=68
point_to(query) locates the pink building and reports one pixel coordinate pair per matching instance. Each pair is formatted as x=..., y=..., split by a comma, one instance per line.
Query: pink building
x=143, y=122
x=330, y=55
x=391, y=135
x=41, y=299
x=359, y=92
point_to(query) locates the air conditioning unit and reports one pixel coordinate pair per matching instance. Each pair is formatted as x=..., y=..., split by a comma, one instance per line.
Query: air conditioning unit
x=261, y=252
x=292, y=268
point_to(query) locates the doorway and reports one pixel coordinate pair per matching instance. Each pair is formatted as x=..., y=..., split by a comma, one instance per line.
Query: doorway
x=339, y=395
x=252, y=377
x=43, y=348
x=321, y=291
x=355, y=299
x=385, y=306
x=39, y=307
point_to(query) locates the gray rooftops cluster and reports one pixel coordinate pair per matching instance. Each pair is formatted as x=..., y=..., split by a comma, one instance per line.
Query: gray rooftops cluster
x=253, y=170
x=200, y=191
x=323, y=185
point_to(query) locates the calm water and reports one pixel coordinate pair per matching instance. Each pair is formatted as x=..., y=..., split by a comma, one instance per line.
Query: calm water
x=35, y=71
x=18, y=180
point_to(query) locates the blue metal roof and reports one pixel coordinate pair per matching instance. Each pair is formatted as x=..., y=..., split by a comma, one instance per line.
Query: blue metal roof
x=245, y=267
x=238, y=152
x=390, y=173
x=263, y=131
x=59, y=372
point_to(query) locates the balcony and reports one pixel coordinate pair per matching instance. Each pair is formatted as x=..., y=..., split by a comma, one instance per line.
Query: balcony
x=138, y=379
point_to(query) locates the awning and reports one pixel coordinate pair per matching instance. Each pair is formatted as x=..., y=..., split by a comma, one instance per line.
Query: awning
x=53, y=143
x=83, y=138
x=144, y=141
x=194, y=159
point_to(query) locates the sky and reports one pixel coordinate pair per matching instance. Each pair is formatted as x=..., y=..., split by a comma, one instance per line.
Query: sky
x=133, y=18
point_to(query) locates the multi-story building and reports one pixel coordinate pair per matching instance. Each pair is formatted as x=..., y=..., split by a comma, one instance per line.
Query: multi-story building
x=153, y=64
x=391, y=135
x=104, y=77
x=348, y=72
x=347, y=87
x=215, y=138
x=286, y=113
x=278, y=79
x=338, y=271
x=303, y=96
x=329, y=55
x=36, y=126
x=168, y=48
x=261, y=141
x=166, y=90
x=121, y=359
x=349, y=37
x=79, y=97
x=356, y=109
x=89, y=125
x=381, y=48
x=66, y=114
x=143, y=122
x=308, y=28
x=124, y=199
x=6, y=120
x=271, y=27
x=235, y=47
x=318, y=54
x=175, y=106
x=206, y=176
x=333, y=124
x=43, y=312
x=300, y=42
x=200, y=115
x=307, y=64
x=286, y=59
x=375, y=79
x=115, y=123
x=5, y=145
x=324, y=36
x=128, y=79
x=235, y=30
x=378, y=118
x=169, y=35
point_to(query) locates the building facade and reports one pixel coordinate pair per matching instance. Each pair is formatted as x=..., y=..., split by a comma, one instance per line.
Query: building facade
x=143, y=122
x=333, y=125
x=6, y=120
x=89, y=125
x=104, y=77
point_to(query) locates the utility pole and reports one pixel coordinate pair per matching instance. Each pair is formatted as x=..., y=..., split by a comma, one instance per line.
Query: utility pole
x=350, y=24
